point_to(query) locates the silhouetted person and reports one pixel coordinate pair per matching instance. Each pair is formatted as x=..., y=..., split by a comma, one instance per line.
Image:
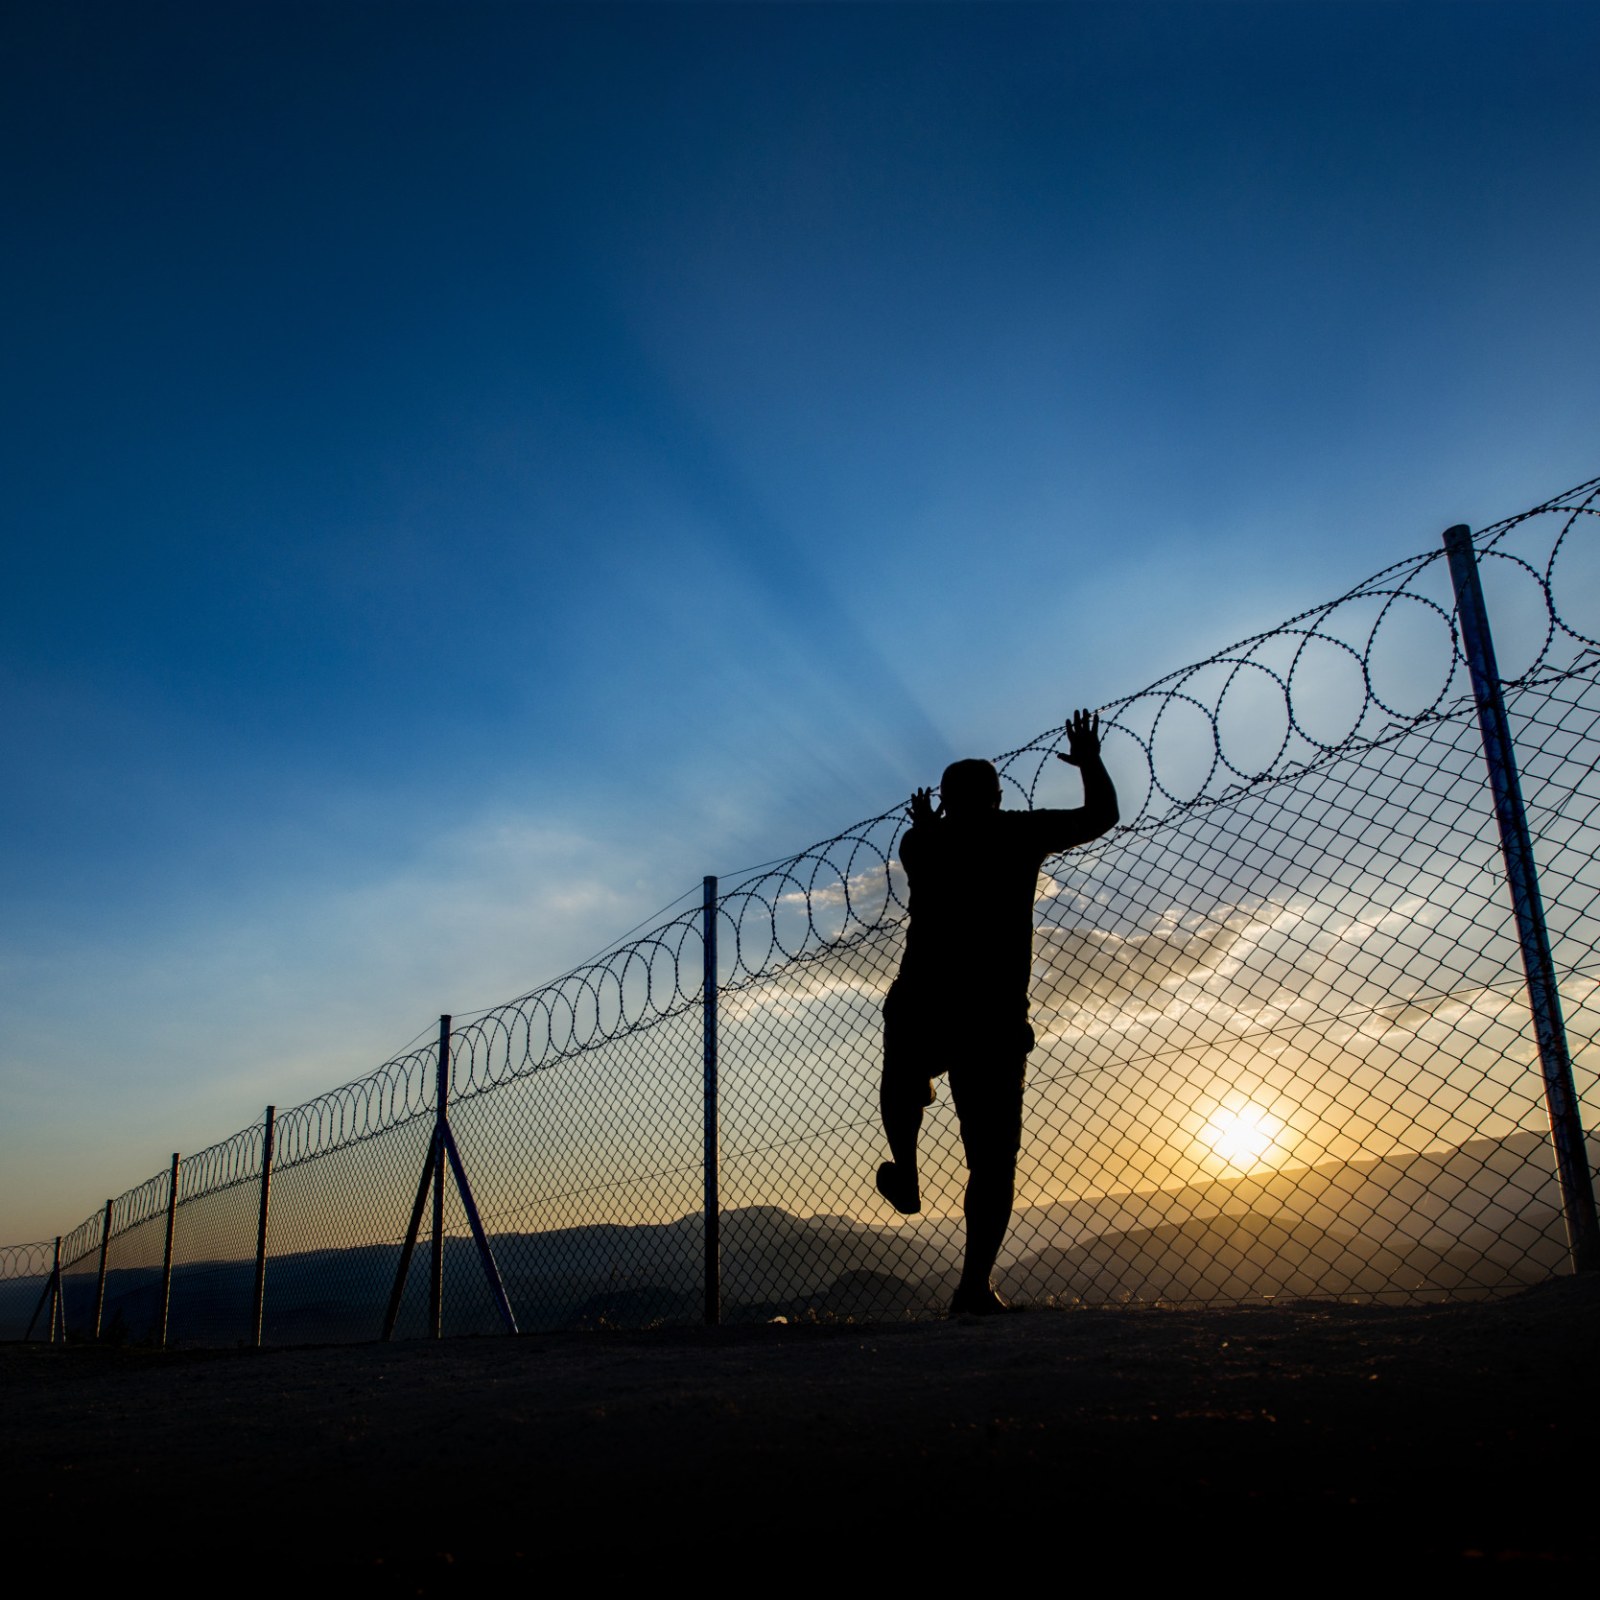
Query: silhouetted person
x=960, y=1002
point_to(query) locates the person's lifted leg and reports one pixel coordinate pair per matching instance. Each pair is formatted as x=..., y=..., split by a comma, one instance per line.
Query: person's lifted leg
x=905, y=1090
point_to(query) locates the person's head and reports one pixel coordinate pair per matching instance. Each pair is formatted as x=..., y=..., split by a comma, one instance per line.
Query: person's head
x=969, y=787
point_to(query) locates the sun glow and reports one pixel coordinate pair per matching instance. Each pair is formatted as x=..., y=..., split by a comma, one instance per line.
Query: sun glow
x=1243, y=1136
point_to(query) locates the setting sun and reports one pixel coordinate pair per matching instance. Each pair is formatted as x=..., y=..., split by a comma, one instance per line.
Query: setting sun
x=1243, y=1137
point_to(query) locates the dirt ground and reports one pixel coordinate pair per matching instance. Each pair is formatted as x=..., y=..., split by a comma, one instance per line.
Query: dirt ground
x=1305, y=1445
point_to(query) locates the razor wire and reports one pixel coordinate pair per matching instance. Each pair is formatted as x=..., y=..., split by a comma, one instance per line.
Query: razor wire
x=1347, y=698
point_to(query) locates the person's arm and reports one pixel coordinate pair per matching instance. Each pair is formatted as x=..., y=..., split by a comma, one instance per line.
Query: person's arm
x=1098, y=813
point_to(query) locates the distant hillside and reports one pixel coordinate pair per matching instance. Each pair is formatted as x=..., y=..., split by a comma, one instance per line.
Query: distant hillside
x=1468, y=1221
x=1472, y=1220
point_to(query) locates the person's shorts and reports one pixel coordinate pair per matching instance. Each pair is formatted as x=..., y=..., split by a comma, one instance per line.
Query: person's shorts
x=984, y=1055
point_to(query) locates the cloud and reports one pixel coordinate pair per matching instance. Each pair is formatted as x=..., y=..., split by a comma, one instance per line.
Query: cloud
x=1094, y=969
x=807, y=984
x=861, y=891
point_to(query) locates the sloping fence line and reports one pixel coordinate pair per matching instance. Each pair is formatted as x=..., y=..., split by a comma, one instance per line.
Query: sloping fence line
x=1220, y=1109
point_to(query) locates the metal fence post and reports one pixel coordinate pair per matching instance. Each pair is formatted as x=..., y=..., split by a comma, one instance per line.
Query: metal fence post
x=50, y=1298
x=708, y=1012
x=58, y=1309
x=166, y=1259
x=100, y=1282
x=441, y=1121
x=259, y=1300
x=442, y=1149
x=1516, y=844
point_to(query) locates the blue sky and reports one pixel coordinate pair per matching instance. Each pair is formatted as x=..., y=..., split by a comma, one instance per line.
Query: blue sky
x=471, y=470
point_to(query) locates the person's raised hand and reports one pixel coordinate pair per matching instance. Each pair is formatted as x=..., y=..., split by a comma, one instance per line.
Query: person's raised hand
x=921, y=809
x=1083, y=738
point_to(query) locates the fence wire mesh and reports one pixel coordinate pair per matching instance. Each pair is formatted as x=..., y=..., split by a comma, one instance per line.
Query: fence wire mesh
x=1284, y=1047
x=25, y=1271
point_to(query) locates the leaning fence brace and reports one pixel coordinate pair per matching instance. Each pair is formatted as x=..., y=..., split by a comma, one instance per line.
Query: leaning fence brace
x=442, y=1151
x=1282, y=1049
x=50, y=1301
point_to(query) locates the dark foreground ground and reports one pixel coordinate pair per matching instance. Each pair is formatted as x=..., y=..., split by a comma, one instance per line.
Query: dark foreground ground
x=1301, y=1446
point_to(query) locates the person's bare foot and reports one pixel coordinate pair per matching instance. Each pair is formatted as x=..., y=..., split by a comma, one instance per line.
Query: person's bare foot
x=900, y=1189
x=982, y=1302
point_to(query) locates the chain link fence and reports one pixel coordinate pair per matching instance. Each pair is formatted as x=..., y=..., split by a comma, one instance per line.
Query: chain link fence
x=1284, y=1041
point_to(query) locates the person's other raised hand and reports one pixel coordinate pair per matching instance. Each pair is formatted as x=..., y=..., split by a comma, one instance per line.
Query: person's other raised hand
x=1083, y=738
